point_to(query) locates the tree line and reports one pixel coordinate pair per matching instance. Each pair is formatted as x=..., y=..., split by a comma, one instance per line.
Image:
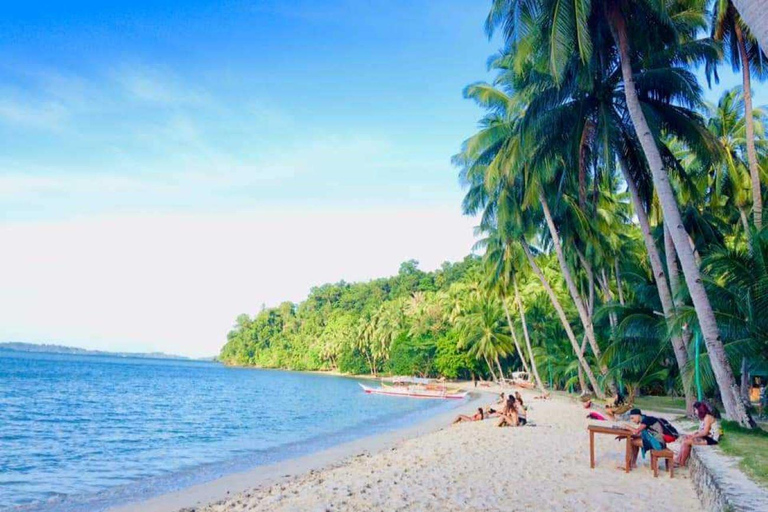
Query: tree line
x=620, y=220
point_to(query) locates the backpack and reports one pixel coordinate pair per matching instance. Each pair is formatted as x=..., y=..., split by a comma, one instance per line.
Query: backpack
x=669, y=432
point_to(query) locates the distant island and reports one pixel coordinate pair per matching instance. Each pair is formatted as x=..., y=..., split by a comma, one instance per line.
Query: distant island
x=61, y=349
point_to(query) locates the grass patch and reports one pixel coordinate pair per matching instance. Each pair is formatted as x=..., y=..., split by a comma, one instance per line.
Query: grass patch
x=667, y=404
x=751, y=446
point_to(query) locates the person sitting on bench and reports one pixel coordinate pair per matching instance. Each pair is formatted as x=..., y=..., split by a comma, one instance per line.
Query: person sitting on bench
x=649, y=434
x=707, y=435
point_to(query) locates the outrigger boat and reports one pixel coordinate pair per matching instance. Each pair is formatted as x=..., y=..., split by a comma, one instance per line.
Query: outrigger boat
x=522, y=380
x=415, y=387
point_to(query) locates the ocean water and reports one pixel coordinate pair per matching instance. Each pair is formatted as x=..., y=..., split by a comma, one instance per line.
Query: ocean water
x=83, y=433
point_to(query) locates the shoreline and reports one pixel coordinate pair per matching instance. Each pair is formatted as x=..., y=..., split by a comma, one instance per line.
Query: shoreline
x=468, y=467
x=225, y=487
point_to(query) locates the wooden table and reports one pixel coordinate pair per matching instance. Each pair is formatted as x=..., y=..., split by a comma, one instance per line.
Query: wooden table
x=616, y=432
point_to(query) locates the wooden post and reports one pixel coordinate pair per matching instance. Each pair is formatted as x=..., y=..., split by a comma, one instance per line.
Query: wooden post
x=628, y=454
x=591, y=449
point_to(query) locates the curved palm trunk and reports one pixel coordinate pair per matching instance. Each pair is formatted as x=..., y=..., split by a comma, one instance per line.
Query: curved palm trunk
x=586, y=135
x=563, y=319
x=582, y=384
x=586, y=320
x=527, y=337
x=608, y=294
x=666, y=296
x=679, y=343
x=754, y=172
x=501, y=372
x=720, y=365
x=745, y=227
x=514, y=335
x=755, y=14
x=619, y=286
x=490, y=368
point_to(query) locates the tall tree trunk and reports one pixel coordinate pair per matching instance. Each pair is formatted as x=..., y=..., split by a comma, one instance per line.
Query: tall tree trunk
x=754, y=171
x=520, y=309
x=586, y=320
x=563, y=319
x=514, y=336
x=679, y=343
x=501, y=372
x=744, y=380
x=755, y=15
x=582, y=384
x=720, y=366
x=619, y=285
x=745, y=226
x=586, y=135
x=608, y=294
x=490, y=368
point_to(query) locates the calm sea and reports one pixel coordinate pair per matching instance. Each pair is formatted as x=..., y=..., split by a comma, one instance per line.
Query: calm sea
x=83, y=433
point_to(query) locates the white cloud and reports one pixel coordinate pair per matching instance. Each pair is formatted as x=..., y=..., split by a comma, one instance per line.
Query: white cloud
x=154, y=85
x=34, y=114
x=176, y=283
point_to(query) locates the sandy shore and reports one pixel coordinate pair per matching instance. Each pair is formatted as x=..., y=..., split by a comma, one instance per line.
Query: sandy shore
x=472, y=467
x=261, y=477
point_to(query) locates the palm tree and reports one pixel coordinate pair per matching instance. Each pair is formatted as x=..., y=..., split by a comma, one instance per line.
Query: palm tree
x=490, y=163
x=484, y=333
x=745, y=54
x=526, y=335
x=655, y=28
x=503, y=261
x=731, y=175
x=754, y=13
x=497, y=259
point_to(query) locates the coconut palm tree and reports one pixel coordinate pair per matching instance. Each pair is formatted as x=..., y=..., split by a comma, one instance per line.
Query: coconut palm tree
x=484, y=333
x=754, y=13
x=503, y=261
x=732, y=175
x=497, y=276
x=745, y=54
x=638, y=29
x=487, y=162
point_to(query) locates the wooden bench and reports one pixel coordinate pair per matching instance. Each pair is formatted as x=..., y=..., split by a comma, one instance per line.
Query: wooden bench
x=669, y=461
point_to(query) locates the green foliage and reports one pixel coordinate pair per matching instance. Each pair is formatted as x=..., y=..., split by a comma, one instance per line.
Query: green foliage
x=751, y=446
x=403, y=324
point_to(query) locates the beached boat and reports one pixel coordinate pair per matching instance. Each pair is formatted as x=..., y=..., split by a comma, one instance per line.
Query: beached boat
x=522, y=380
x=415, y=387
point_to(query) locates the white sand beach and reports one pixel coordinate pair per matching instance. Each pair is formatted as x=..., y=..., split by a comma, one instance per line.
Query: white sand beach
x=473, y=467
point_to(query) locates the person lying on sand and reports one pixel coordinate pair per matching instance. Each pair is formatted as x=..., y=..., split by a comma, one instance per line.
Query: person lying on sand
x=478, y=416
x=707, y=435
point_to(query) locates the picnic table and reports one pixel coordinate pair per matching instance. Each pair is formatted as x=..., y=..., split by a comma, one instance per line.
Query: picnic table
x=613, y=431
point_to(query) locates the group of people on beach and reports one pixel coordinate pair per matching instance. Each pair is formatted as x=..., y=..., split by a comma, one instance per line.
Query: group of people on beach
x=652, y=433
x=510, y=410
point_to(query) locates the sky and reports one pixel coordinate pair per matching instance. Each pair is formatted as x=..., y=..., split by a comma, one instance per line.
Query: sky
x=166, y=166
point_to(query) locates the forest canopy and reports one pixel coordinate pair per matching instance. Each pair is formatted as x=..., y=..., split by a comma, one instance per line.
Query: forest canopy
x=400, y=325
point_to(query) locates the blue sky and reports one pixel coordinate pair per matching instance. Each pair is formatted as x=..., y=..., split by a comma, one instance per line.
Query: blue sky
x=226, y=105
x=167, y=166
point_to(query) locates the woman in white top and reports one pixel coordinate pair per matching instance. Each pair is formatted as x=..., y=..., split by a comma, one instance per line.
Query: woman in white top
x=708, y=433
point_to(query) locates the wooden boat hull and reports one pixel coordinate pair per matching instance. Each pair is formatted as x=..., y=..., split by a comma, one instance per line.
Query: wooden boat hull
x=411, y=393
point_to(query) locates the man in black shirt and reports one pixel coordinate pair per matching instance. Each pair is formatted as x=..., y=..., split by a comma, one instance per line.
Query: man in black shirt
x=649, y=434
